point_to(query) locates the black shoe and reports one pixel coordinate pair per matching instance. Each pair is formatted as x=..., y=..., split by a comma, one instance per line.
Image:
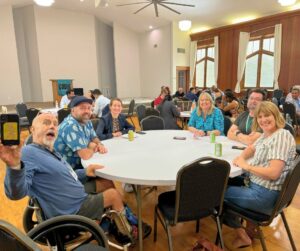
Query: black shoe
x=146, y=230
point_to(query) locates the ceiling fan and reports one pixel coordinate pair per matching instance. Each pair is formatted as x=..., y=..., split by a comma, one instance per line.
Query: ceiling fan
x=156, y=3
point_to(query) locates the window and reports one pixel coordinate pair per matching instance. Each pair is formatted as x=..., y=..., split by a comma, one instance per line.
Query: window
x=259, y=70
x=205, y=65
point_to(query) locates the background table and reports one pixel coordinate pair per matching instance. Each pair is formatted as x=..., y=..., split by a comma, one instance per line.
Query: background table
x=155, y=158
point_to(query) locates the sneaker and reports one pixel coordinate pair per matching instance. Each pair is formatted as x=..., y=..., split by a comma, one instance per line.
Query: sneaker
x=127, y=188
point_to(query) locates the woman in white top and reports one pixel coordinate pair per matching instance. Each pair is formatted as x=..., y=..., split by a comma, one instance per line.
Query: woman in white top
x=271, y=156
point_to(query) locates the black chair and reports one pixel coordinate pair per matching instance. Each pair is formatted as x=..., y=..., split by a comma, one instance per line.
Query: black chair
x=21, y=111
x=290, y=128
x=151, y=112
x=62, y=114
x=12, y=238
x=191, y=199
x=141, y=112
x=285, y=198
x=282, y=100
x=131, y=111
x=227, y=124
x=289, y=108
x=31, y=113
x=278, y=94
x=275, y=101
x=152, y=123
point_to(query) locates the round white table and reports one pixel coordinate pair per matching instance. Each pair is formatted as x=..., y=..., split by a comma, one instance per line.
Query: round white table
x=155, y=158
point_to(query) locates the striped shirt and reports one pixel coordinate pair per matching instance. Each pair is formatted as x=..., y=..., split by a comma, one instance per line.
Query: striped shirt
x=279, y=146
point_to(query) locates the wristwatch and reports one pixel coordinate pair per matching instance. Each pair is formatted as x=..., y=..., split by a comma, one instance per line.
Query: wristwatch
x=237, y=133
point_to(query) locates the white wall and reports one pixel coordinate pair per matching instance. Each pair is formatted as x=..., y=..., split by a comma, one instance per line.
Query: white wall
x=127, y=62
x=180, y=39
x=10, y=82
x=105, y=59
x=155, y=59
x=66, y=47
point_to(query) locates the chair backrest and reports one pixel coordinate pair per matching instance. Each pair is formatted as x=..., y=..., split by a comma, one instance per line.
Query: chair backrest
x=184, y=105
x=290, y=128
x=289, y=108
x=31, y=113
x=282, y=100
x=28, y=140
x=21, y=109
x=200, y=186
x=151, y=112
x=288, y=190
x=227, y=124
x=141, y=112
x=95, y=123
x=12, y=238
x=152, y=123
x=62, y=114
x=131, y=107
x=277, y=94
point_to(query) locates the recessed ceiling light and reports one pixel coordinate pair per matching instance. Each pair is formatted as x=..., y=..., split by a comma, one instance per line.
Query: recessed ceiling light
x=185, y=25
x=242, y=19
x=45, y=3
x=286, y=2
x=150, y=27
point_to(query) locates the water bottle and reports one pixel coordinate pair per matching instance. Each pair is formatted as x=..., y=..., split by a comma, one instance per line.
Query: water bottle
x=130, y=135
x=212, y=137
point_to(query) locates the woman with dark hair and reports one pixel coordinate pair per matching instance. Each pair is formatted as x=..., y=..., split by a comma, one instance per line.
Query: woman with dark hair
x=169, y=112
x=229, y=104
x=113, y=124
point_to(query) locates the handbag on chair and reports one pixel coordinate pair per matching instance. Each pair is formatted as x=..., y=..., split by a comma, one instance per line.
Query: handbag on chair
x=203, y=244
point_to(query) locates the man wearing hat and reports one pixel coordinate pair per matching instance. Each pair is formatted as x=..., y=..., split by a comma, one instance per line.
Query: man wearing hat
x=77, y=140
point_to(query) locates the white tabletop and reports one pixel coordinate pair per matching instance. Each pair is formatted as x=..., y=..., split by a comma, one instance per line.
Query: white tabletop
x=185, y=114
x=155, y=158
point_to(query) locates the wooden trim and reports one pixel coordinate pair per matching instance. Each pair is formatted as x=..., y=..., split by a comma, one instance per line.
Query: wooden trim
x=246, y=26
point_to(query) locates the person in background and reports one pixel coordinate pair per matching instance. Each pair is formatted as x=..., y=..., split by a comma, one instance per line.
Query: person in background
x=169, y=113
x=294, y=99
x=164, y=91
x=267, y=163
x=53, y=182
x=114, y=124
x=191, y=95
x=179, y=93
x=90, y=95
x=66, y=99
x=229, y=104
x=216, y=92
x=206, y=118
x=241, y=130
x=100, y=103
x=77, y=140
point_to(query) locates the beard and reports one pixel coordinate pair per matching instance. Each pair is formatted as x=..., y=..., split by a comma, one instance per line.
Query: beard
x=48, y=143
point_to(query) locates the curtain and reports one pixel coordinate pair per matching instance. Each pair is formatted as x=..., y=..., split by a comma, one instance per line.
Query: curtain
x=193, y=58
x=243, y=44
x=216, y=44
x=277, y=54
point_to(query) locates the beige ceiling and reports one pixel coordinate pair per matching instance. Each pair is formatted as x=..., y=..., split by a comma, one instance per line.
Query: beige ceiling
x=207, y=13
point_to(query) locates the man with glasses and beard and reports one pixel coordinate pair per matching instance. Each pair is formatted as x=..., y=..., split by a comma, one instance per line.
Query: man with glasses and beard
x=77, y=140
x=241, y=129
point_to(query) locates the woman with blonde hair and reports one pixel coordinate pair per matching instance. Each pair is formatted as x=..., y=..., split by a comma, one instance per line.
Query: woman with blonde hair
x=267, y=163
x=206, y=118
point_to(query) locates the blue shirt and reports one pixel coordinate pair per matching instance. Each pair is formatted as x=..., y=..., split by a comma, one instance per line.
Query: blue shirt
x=214, y=121
x=50, y=179
x=73, y=136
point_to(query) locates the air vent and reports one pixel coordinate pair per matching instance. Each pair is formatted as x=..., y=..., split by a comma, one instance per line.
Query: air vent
x=181, y=50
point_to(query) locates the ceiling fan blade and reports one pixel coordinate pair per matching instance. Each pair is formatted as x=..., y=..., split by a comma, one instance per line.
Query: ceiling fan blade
x=142, y=8
x=131, y=3
x=167, y=7
x=181, y=4
x=156, y=9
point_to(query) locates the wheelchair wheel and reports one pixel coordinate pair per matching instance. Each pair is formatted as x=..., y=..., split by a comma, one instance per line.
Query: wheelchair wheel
x=29, y=221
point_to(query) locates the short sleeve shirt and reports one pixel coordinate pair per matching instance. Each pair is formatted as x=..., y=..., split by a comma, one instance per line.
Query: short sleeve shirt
x=244, y=123
x=73, y=136
x=279, y=146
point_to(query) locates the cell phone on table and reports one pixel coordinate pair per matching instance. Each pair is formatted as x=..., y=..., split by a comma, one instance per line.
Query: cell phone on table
x=179, y=138
x=10, y=129
x=239, y=147
x=140, y=132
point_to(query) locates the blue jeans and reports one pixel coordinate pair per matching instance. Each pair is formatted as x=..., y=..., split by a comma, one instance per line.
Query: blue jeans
x=255, y=198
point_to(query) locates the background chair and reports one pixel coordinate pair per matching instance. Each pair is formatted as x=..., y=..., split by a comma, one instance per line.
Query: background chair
x=290, y=128
x=191, y=201
x=12, y=238
x=131, y=111
x=141, y=112
x=278, y=94
x=289, y=108
x=31, y=113
x=275, y=101
x=21, y=111
x=62, y=114
x=285, y=197
x=227, y=124
x=151, y=111
x=152, y=123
